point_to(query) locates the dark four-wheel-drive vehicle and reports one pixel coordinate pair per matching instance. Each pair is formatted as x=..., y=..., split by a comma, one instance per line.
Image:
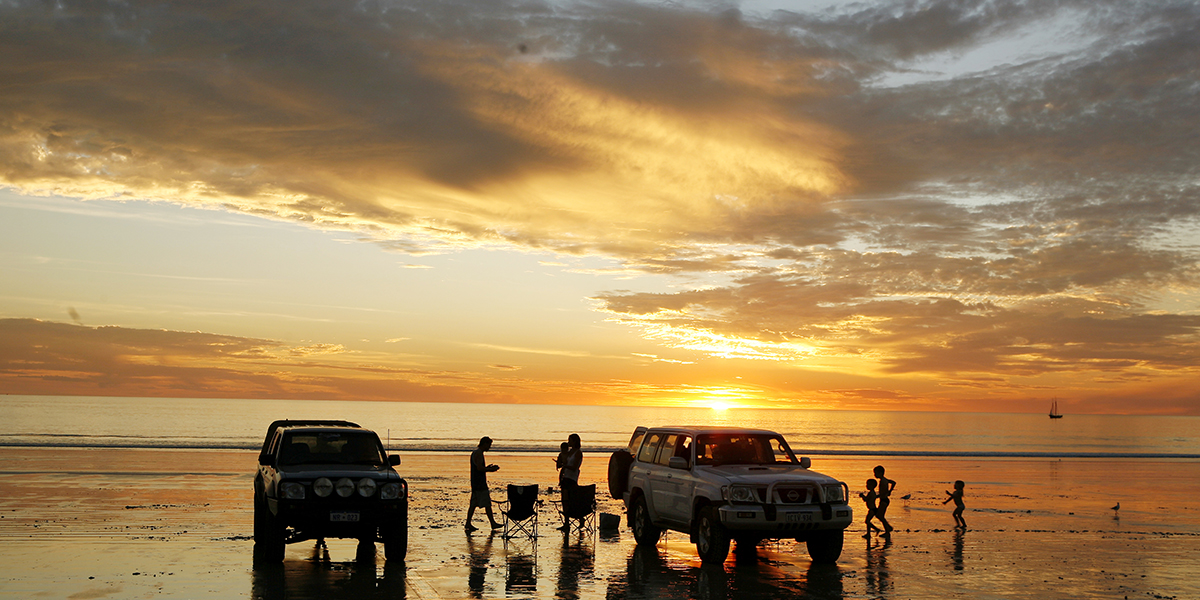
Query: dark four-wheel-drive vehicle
x=727, y=484
x=328, y=479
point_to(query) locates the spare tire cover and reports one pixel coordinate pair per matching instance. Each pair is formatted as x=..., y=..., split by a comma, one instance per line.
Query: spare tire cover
x=618, y=473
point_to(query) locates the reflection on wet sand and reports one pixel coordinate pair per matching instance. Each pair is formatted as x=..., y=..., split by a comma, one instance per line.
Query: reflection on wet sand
x=480, y=556
x=958, y=549
x=318, y=577
x=878, y=577
x=577, y=561
x=752, y=573
x=521, y=575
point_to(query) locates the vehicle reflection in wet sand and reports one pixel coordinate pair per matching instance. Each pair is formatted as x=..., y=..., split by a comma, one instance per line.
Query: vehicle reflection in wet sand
x=751, y=573
x=319, y=578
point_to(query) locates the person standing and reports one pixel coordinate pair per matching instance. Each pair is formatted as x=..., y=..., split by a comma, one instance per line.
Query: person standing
x=481, y=495
x=885, y=498
x=871, y=499
x=561, y=460
x=959, y=506
x=568, y=477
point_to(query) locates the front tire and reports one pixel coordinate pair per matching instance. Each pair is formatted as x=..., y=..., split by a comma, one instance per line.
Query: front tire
x=712, y=539
x=644, y=532
x=268, y=536
x=825, y=546
x=395, y=540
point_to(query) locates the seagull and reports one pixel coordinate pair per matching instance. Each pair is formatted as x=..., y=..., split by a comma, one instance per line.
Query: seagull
x=1117, y=507
x=906, y=496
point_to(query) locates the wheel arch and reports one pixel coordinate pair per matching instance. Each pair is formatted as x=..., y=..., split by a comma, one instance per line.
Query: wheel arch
x=699, y=503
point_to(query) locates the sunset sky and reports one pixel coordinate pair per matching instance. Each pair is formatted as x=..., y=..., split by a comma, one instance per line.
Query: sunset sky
x=912, y=205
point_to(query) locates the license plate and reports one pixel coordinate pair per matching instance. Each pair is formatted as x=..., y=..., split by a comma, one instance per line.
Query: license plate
x=799, y=517
x=343, y=517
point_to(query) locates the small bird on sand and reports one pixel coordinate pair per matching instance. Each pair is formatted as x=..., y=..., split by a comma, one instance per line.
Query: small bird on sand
x=1117, y=507
x=906, y=496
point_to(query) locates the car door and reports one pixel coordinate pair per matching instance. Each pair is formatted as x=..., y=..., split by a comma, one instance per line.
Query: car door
x=672, y=494
x=654, y=482
x=678, y=492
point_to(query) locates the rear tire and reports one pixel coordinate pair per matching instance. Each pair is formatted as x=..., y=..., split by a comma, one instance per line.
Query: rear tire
x=365, y=552
x=747, y=547
x=644, y=532
x=825, y=546
x=712, y=539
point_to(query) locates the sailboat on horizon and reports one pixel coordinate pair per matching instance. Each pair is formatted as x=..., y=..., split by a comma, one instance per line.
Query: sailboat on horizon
x=1054, y=414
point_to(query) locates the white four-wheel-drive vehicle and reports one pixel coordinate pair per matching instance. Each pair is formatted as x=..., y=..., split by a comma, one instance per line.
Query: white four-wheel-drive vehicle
x=719, y=484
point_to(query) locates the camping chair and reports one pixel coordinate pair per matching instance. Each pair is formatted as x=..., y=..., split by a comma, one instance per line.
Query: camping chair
x=579, y=509
x=520, y=511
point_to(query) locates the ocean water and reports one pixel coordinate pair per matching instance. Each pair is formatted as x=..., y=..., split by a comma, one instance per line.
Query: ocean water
x=109, y=422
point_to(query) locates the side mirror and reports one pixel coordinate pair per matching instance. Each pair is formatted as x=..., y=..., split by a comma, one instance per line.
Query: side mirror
x=805, y=462
x=394, y=460
x=678, y=462
x=264, y=459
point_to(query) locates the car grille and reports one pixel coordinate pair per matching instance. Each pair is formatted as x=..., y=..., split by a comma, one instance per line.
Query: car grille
x=794, y=495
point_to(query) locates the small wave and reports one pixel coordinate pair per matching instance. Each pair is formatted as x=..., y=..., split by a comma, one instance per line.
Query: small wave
x=991, y=454
x=463, y=447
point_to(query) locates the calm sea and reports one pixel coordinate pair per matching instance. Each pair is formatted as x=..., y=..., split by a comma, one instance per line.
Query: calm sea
x=51, y=421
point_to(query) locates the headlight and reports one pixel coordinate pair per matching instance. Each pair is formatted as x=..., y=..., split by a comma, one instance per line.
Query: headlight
x=834, y=492
x=366, y=487
x=323, y=487
x=390, y=491
x=344, y=487
x=292, y=491
x=741, y=494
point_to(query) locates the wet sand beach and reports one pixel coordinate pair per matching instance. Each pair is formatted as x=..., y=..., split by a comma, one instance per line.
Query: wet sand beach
x=110, y=523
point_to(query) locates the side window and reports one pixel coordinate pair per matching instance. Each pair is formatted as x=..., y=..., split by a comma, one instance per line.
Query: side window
x=684, y=448
x=274, y=445
x=782, y=454
x=649, y=448
x=706, y=447
x=636, y=442
x=667, y=450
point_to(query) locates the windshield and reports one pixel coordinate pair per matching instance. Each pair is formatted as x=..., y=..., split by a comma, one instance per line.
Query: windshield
x=743, y=449
x=332, y=447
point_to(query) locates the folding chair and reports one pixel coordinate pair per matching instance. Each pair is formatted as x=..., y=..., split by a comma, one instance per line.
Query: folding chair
x=579, y=509
x=520, y=511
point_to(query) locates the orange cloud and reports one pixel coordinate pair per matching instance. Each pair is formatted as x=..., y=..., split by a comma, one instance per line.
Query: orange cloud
x=1031, y=218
